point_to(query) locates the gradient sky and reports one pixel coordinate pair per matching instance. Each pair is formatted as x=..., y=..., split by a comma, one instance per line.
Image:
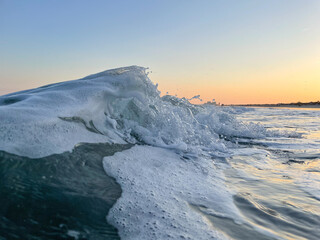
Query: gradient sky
x=234, y=51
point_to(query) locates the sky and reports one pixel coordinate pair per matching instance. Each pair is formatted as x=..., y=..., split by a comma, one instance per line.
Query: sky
x=237, y=52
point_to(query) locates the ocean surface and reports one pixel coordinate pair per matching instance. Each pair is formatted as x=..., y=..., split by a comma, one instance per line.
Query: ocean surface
x=108, y=157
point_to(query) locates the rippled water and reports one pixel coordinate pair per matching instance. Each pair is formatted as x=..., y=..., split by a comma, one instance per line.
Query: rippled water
x=278, y=179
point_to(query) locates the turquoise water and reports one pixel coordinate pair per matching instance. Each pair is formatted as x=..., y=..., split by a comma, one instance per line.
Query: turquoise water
x=61, y=196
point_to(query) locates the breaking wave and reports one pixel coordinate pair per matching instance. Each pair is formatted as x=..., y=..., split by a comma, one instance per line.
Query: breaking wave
x=115, y=106
x=170, y=157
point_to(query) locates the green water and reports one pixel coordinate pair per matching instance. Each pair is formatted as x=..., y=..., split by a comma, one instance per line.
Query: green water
x=62, y=196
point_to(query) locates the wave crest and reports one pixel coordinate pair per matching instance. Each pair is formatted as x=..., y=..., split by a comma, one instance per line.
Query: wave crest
x=116, y=106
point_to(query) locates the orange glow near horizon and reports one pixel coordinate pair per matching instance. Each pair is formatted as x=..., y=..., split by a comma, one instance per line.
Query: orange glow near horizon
x=283, y=85
x=295, y=81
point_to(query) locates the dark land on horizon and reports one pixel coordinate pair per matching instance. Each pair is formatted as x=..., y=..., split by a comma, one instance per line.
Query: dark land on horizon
x=293, y=105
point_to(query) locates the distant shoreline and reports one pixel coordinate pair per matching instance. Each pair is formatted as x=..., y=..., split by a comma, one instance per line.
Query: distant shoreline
x=282, y=105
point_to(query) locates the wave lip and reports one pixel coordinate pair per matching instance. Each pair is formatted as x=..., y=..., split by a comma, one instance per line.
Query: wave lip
x=32, y=122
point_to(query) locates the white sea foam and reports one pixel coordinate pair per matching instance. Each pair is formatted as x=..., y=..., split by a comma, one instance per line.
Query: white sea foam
x=115, y=106
x=159, y=189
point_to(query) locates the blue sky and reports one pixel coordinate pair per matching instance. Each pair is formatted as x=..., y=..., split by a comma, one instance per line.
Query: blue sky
x=188, y=45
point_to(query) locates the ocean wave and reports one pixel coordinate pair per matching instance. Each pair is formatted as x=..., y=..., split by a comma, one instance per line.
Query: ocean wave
x=176, y=171
x=115, y=106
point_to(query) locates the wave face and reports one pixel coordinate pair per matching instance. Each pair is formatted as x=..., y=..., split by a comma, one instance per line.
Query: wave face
x=186, y=171
x=115, y=106
x=61, y=196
